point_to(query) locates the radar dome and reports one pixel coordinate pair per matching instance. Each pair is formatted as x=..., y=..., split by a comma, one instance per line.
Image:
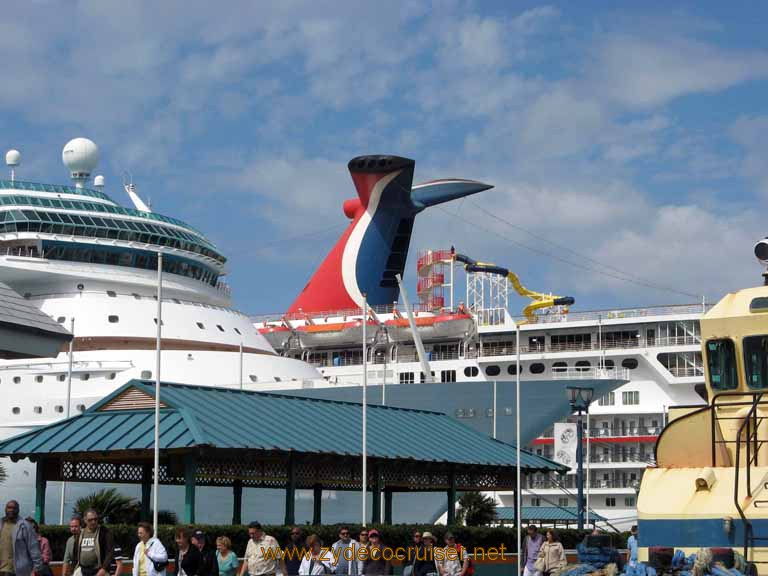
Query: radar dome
x=80, y=156
x=99, y=181
x=12, y=158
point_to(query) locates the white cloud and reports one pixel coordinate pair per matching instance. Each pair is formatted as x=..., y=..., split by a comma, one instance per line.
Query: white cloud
x=751, y=133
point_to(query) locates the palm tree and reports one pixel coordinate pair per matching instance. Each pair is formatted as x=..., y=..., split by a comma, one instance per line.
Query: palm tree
x=113, y=507
x=476, y=509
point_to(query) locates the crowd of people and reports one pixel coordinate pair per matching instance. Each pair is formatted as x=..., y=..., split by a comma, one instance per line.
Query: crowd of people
x=91, y=551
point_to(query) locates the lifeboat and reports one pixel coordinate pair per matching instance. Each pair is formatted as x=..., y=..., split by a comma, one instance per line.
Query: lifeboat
x=277, y=335
x=434, y=327
x=335, y=333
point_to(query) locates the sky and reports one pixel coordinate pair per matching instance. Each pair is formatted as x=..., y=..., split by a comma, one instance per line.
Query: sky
x=627, y=142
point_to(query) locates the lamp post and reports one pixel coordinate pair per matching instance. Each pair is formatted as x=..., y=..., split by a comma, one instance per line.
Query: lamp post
x=580, y=399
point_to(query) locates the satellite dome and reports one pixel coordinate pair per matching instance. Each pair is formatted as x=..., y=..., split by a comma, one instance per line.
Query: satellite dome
x=80, y=156
x=12, y=158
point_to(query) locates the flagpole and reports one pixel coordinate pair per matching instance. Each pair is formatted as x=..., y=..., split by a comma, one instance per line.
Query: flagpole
x=518, y=495
x=365, y=400
x=69, y=401
x=156, y=482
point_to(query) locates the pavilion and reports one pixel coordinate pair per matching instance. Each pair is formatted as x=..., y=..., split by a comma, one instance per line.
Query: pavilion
x=214, y=436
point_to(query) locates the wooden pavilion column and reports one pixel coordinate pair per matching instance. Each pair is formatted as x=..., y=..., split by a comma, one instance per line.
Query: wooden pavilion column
x=317, y=501
x=388, y=505
x=237, y=502
x=40, y=485
x=146, y=492
x=378, y=486
x=451, y=519
x=190, y=477
x=290, y=492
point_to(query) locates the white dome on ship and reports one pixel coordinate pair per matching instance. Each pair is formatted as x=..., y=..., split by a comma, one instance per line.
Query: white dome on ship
x=12, y=158
x=80, y=156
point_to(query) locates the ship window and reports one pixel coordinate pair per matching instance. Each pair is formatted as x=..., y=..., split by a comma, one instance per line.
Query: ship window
x=38, y=409
x=238, y=330
x=16, y=379
x=219, y=327
x=448, y=375
x=59, y=409
x=38, y=378
x=607, y=400
x=113, y=319
x=16, y=410
x=201, y=325
x=111, y=293
x=610, y=502
x=759, y=304
x=137, y=296
x=629, y=363
x=85, y=376
x=111, y=375
x=80, y=407
x=512, y=370
x=471, y=371
x=162, y=323
x=583, y=365
x=721, y=361
x=559, y=367
x=756, y=361
x=60, y=319
x=537, y=368
x=562, y=501
x=630, y=398
x=61, y=377
x=609, y=364
x=629, y=501
x=407, y=378
x=253, y=378
x=492, y=370
x=146, y=374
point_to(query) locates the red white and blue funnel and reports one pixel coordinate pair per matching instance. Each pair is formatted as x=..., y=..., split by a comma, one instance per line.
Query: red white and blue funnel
x=374, y=248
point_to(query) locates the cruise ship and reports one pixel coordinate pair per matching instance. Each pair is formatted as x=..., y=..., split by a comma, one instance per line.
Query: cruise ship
x=91, y=265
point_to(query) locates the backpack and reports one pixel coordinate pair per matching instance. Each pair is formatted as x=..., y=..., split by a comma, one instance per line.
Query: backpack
x=471, y=564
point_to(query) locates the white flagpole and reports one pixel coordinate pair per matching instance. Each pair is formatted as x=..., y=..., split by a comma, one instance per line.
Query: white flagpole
x=69, y=401
x=241, y=365
x=156, y=486
x=365, y=401
x=518, y=496
x=586, y=512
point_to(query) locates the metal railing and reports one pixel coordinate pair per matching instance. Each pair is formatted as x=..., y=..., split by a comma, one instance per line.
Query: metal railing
x=23, y=251
x=492, y=349
x=616, y=432
x=686, y=371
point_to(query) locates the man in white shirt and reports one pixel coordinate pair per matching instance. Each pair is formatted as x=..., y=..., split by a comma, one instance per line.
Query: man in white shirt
x=455, y=561
x=262, y=554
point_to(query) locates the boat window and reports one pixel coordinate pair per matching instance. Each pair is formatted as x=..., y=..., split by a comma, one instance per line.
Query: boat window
x=759, y=304
x=512, y=370
x=756, y=361
x=583, y=365
x=471, y=371
x=407, y=378
x=201, y=325
x=113, y=319
x=38, y=409
x=721, y=361
x=61, y=377
x=16, y=410
x=59, y=409
x=38, y=378
x=146, y=374
x=16, y=379
x=80, y=407
x=253, y=378
x=492, y=370
x=559, y=367
x=448, y=375
x=238, y=331
x=629, y=363
x=60, y=319
x=219, y=327
x=609, y=364
x=537, y=368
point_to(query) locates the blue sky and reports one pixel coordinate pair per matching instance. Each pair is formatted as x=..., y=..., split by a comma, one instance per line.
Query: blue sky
x=624, y=139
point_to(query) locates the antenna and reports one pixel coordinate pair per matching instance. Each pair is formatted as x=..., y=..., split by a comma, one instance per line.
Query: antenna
x=130, y=189
x=80, y=156
x=98, y=182
x=12, y=159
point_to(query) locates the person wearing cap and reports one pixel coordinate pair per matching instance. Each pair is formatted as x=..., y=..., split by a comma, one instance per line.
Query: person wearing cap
x=258, y=561
x=375, y=564
x=455, y=561
x=209, y=566
x=424, y=563
x=343, y=566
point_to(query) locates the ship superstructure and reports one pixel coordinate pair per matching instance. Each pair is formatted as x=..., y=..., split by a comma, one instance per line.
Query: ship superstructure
x=91, y=264
x=656, y=349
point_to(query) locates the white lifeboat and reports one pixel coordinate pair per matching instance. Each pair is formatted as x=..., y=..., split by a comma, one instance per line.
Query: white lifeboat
x=451, y=325
x=276, y=334
x=335, y=333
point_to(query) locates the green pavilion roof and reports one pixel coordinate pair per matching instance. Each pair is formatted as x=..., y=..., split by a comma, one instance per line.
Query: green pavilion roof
x=544, y=514
x=229, y=419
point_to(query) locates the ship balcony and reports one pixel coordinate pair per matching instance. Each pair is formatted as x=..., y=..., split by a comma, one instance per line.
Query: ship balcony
x=618, y=432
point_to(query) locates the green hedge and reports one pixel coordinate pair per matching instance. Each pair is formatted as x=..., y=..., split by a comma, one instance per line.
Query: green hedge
x=397, y=535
